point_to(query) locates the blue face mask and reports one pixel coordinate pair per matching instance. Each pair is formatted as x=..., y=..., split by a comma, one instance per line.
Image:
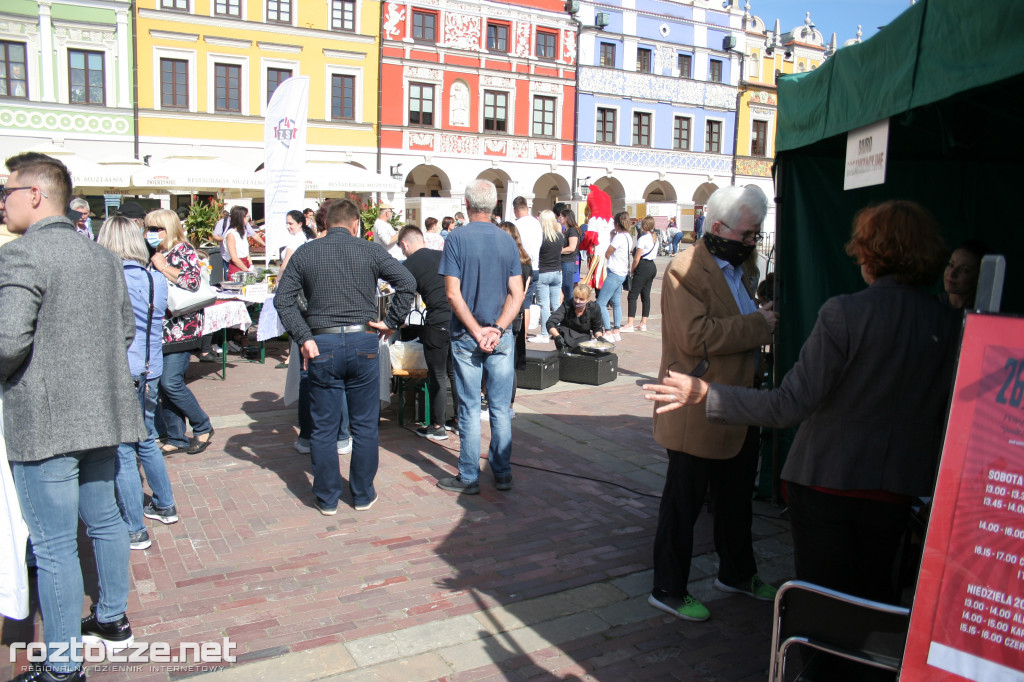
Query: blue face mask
x=153, y=240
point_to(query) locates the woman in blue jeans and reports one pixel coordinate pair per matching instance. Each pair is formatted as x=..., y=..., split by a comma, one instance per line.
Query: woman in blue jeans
x=618, y=257
x=179, y=263
x=570, y=254
x=549, y=279
x=145, y=360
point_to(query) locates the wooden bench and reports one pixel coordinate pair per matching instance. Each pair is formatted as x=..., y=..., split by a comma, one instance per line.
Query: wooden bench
x=403, y=376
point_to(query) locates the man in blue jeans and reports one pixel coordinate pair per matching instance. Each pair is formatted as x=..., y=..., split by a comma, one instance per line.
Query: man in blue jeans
x=338, y=275
x=63, y=457
x=483, y=281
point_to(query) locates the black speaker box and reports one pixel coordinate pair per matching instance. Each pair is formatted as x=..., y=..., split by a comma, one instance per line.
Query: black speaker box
x=594, y=370
x=541, y=370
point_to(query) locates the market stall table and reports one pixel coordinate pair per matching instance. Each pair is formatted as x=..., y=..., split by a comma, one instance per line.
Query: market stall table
x=226, y=313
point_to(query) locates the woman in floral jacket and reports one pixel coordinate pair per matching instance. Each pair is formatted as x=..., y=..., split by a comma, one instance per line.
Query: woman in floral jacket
x=178, y=261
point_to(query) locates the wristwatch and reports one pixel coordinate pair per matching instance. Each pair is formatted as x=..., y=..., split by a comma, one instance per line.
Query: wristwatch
x=501, y=330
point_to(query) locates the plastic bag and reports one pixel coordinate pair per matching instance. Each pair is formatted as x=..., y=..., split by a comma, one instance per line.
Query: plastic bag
x=408, y=355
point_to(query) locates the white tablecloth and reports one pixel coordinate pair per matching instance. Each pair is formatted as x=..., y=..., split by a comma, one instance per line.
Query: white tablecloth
x=270, y=326
x=226, y=314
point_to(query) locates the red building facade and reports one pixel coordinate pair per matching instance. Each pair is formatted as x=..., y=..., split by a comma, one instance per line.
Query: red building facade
x=478, y=90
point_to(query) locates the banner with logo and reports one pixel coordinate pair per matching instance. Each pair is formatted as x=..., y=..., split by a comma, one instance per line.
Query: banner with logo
x=285, y=144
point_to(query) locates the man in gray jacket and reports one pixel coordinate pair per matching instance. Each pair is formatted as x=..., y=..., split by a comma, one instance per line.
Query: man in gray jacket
x=65, y=323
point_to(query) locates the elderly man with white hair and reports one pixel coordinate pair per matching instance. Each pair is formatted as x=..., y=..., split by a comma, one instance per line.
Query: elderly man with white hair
x=711, y=328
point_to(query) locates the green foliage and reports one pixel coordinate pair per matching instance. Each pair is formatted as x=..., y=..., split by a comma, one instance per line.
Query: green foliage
x=202, y=218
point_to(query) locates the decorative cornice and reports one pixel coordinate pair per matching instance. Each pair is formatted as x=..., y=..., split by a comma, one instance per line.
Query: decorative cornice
x=279, y=47
x=227, y=42
x=269, y=30
x=174, y=35
x=345, y=54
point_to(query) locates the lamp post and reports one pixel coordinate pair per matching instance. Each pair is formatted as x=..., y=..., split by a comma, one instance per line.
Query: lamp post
x=729, y=45
x=572, y=7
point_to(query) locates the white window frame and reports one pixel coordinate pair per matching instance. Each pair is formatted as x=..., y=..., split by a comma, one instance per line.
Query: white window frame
x=214, y=58
x=193, y=85
x=704, y=137
x=359, y=13
x=558, y=115
x=654, y=123
x=618, y=124
x=334, y=70
x=438, y=87
x=265, y=65
x=63, y=85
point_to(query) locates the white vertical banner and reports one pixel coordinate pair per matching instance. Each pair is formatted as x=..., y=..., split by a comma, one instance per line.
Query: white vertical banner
x=285, y=143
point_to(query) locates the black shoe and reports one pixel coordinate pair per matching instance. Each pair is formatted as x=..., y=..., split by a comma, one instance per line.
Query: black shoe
x=209, y=357
x=115, y=636
x=200, y=445
x=43, y=674
x=432, y=432
x=139, y=540
x=452, y=425
x=455, y=484
x=166, y=515
x=503, y=481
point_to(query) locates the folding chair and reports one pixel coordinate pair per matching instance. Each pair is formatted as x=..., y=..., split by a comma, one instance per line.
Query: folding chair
x=859, y=634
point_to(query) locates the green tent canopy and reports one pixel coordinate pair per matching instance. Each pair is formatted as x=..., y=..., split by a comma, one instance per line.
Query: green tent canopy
x=949, y=76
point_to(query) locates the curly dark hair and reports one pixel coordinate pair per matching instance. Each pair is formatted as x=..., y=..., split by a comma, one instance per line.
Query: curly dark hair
x=899, y=238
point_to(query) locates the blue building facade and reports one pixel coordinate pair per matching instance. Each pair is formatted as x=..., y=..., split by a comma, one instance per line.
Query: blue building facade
x=657, y=100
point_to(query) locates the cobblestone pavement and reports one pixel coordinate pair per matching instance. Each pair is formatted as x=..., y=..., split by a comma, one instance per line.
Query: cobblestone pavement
x=547, y=581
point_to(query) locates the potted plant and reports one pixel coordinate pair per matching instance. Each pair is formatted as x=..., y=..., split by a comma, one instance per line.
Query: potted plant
x=202, y=218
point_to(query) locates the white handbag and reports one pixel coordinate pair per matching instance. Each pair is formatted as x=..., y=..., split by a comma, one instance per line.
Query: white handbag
x=182, y=301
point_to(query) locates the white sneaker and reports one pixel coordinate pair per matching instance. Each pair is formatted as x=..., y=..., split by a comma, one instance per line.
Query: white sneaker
x=345, y=447
x=627, y=330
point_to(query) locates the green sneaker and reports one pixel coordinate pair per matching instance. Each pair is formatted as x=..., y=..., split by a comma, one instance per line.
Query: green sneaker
x=687, y=608
x=758, y=589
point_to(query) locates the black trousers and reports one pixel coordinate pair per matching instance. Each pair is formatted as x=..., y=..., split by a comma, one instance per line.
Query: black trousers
x=643, y=278
x=847, y=543
x=732, y=489
x=438, y=353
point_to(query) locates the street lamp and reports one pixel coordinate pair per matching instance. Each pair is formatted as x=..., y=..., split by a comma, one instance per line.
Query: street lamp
x=395, y=172
x=601, y=21
x=584, y=186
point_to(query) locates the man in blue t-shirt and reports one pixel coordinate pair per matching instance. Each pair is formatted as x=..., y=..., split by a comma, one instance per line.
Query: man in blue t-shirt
x=484, y=285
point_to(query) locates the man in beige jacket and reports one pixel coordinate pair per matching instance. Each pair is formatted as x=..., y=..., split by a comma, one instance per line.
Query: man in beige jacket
x=711, y=328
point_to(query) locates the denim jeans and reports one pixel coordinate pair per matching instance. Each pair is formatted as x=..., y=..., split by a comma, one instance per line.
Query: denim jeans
x=549, y=288
x=345, y=372
x=305, y=420
x=53, y=494
x=496, y=370
x=127, y=481
x=568, y=275
x=676, y=238
x=611, y=291
x=179, y=403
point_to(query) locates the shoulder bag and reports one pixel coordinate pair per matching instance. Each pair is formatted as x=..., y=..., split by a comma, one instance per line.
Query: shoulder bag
x=181, y=301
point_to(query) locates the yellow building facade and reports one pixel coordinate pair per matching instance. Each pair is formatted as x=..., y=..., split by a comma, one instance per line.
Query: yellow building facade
x=207, y=69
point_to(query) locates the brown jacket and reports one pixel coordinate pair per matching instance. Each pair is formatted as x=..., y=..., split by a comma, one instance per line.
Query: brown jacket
x=698, y=308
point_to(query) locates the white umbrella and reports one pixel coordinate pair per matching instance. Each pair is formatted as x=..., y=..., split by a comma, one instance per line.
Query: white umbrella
x=193, y=173
x=86, y=176
x=332, y=178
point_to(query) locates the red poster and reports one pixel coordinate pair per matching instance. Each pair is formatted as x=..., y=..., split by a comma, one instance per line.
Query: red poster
x=968, y=613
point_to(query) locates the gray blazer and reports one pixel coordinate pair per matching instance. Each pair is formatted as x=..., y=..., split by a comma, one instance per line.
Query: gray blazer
x=871, y=388
x=65, y=325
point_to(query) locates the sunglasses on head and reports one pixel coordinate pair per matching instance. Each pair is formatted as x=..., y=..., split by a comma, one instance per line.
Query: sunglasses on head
x=700, y=370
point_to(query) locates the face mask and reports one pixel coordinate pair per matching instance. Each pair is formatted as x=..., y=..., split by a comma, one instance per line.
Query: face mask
x=579, y=306
x=732, y=252
x=153, y=240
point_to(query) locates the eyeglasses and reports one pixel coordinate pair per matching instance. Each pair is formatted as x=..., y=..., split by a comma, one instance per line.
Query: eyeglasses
x=5, y=190
x=700, y=370
x=748, y=237
x=152, y=228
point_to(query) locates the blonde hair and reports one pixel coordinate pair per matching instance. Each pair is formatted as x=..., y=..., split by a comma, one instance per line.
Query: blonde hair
x=551, y=230
x=168, y=220
x=122, y=236
x=582, y=290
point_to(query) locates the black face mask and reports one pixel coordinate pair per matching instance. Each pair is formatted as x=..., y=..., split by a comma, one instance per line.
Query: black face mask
x=732, y=252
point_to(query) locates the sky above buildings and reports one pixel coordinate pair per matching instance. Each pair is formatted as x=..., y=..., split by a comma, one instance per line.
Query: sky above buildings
x=830, y=16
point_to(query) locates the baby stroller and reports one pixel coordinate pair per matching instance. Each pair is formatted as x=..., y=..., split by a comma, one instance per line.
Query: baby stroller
x=664, y=243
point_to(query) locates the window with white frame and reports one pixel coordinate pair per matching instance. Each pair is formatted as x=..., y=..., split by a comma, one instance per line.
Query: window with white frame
x=86, y=76
x=343, y=15
x=421, y=104
x=641, y=129
x=605, y=133
x=343, y=97
x=13, y=70
x=713, y=137
x=495, y=111
x=544, y=116
x=177, y=5
x=279, y=11
x=228, y=8
x=681, y=133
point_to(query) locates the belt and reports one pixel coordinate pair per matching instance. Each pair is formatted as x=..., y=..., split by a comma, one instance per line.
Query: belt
x=347, y=329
